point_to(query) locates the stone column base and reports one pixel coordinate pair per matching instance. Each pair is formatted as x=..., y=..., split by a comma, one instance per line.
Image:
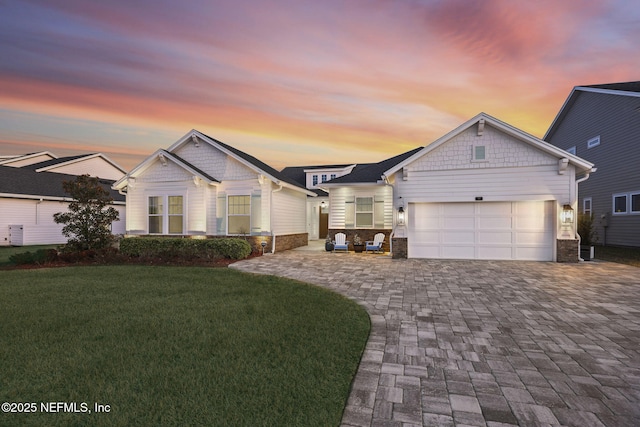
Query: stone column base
x=399, y=248
x=568, y=250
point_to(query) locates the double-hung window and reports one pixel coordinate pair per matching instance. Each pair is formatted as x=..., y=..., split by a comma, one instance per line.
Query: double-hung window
x=586, y=205
x=635, y=203
x=166, y=215
x=239, y=214
x=364, y=212
x=619, y=204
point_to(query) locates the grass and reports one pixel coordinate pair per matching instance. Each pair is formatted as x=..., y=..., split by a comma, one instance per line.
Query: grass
x=628, y=255
x=7, y=251
x=176, y=346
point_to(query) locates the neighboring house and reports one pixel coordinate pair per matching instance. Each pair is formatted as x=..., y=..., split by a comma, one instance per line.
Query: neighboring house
x=601, y=123
x=96, y=164
x=486, y=190
x=28, y=200
x=202, y=187
x=20, y=160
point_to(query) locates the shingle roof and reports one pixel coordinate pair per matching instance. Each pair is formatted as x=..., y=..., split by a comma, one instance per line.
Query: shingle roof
x=43, y=184
x=372, y=173
x=624, y=87
x=53, y=162
x=257, y=163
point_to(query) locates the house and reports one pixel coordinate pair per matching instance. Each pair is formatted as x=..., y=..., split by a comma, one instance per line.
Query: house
x=202, y=187
x=20, y=160
x=28, y=200
x=95, y=164
x=485, y=190
x=601, y=123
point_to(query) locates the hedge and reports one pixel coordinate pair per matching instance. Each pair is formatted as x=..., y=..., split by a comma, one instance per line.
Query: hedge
x=178, y=248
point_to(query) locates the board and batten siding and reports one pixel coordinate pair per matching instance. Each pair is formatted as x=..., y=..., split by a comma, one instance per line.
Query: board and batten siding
x=615, y=119
x=288, y=212
x=339, y=197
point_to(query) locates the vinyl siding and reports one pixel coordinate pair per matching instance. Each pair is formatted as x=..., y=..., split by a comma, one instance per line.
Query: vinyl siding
x=289, y=212
x=616, y=119
x=339, y=197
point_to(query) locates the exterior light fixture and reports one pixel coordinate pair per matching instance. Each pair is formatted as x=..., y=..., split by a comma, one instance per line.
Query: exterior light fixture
x=264, y=245
x=401, y=217
x=566, y=216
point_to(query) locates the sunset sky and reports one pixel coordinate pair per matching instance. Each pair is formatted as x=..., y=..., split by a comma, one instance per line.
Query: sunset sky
x=296, y=82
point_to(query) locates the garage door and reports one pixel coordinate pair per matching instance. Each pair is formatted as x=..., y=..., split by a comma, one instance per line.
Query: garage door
x=482, y=230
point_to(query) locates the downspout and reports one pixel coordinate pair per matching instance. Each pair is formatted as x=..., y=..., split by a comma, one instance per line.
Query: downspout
x=273, y=236
x=583, y=179
x=37, y=213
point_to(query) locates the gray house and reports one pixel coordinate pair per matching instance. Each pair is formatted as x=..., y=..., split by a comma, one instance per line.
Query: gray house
x=601, y=124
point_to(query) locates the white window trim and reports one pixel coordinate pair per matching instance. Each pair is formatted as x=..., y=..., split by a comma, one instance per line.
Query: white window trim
x=593, y=142
x=165, y=214
x=613, y=204
x=571, y=150
x=473, y=153
x=584, y=204
x=631, y=211
x=228, y=215
x=372, y=212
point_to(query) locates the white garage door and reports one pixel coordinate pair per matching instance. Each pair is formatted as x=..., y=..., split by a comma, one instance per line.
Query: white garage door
x=482, y=230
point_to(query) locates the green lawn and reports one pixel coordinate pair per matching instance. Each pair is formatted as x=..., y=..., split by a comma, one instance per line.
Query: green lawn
x=176, y=346
x=629, y=256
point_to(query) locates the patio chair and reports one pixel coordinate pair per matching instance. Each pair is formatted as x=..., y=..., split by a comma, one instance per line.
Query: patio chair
x=376, y=244
x=340, y=243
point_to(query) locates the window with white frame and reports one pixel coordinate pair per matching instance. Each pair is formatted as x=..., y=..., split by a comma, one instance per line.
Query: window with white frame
x=586, y=206
x=635, y=202
x=314, y=179
x=479, y=153
x=239, y=214
x=324, y=177
x=333, y=176
x=572, y=150
x=364, y=212
x=593, y=142
x=619, y=204
x=166, y=221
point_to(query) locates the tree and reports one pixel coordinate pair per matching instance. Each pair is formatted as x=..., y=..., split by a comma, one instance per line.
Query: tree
x=87, y=223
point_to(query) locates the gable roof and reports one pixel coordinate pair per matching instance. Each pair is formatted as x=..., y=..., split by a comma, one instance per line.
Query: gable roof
x=5, y=160
x=162, y=155
x=371, y=173
x=506, y=128
x=246, y=159
x=63, y=161
x=620, y=89
x=29, y=184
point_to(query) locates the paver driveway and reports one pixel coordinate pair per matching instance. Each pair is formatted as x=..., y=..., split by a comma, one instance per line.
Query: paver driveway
x=485, y=343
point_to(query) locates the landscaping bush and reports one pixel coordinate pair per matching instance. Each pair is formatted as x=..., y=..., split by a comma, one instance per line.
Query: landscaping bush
x=168, y=248
x=41, y=256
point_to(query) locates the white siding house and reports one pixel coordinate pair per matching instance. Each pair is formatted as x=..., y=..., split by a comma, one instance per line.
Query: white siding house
x=202, y=187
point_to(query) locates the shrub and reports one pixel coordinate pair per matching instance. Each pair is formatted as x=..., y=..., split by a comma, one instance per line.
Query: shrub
x=168, y=248
x=41, y=256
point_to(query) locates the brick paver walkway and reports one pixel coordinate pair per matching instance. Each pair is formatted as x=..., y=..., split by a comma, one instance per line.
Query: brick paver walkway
x=485, y=343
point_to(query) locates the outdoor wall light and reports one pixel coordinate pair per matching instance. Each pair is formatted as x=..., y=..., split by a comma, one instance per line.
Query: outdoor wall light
x=401, y=217
x=566, y=216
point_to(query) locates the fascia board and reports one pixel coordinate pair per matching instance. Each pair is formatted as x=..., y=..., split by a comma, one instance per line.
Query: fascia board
x=48, y=198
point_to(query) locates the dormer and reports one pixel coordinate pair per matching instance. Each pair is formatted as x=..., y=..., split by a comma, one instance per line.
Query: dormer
x=316, y=175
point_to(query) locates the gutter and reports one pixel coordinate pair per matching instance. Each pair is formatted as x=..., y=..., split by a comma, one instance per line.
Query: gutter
x=578, y=181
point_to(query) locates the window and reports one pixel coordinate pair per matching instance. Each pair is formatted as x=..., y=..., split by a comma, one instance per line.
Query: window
x=155, y=215
x=239, y=214
x=315, y=179
x=324, y=178
x=586, y=206
x=619, y=204
x=175, y=215
x=571, y=150
x=593, y=142
x=479, y=153
x=333, y=176
x=166, y=221
x=635, y=202
x=364, y=212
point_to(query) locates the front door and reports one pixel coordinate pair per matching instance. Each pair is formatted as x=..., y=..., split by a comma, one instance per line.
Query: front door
x=324, y=222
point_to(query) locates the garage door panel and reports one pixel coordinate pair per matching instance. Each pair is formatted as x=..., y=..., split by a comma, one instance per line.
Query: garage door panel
x=484, y=230
x=494, y=223
x=459, y=223
x=494, y=237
